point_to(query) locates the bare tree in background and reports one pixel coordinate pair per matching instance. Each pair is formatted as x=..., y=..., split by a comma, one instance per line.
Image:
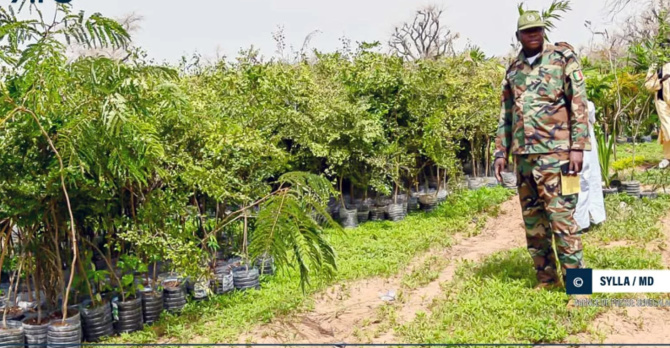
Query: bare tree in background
x=607, y=46
x=615, y=7
x=130, y=22
x=640, y=26
x=425, y=37
x=645, y=23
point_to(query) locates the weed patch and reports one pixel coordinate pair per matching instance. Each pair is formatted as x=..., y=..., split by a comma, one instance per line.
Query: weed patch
x=424, y=274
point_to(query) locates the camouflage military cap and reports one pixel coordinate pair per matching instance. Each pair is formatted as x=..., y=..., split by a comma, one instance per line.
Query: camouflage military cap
x=530, y=19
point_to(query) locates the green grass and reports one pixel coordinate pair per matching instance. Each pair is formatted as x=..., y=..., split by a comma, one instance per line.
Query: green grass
x=630, y=219
x=660, y=178
x=645, y=154
x=494, y=301
x=623, y=257
x=645, y=169
x=627, y=163
x=425, y=273
x=373, y=249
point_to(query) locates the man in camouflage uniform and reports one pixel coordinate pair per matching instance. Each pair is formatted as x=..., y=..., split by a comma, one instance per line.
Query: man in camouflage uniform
x=544, y=124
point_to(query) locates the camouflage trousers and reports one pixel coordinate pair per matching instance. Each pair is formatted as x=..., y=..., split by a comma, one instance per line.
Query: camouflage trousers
x=547, y=212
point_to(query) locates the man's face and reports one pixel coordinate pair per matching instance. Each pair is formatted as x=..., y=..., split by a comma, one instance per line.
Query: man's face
x=532, y=39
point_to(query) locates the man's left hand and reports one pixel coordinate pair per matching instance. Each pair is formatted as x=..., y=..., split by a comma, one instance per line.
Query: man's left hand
x=576, y=159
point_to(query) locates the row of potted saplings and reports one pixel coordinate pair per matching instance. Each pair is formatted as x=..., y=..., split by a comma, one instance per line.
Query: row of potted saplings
x=86, y=323
x=631, y=188
x=352, y=212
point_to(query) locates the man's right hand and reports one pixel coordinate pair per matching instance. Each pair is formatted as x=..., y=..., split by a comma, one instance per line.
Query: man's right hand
x=499, y=166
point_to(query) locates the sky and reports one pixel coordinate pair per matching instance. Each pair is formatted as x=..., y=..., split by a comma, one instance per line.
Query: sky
x=170, y=29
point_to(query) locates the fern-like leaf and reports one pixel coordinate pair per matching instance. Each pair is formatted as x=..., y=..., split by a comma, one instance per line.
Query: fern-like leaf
x=287, y=226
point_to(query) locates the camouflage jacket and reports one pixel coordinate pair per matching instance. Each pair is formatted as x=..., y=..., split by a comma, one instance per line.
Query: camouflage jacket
x=544, y=106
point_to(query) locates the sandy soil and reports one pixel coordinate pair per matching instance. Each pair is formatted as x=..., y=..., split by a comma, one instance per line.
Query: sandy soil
x=345, y=309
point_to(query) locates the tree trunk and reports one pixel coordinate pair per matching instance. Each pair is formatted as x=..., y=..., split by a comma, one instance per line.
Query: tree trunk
x=132, y=204
x=475, y=173
x=108, y=261
x=147, y=279
x=4, y=238
x=61, y=275
x=5, y=246
x=488, y=155
x=87, y=282
x=30, y=292
x=395, y=194
x=342, y=192
x=38, y=287
x=18, y=276
x=244, y=246
x=153, y=286
x=437, y=191
x=9, y=296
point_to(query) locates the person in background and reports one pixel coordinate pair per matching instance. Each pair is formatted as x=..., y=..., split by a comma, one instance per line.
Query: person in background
x=657, y=81
x=591, y=203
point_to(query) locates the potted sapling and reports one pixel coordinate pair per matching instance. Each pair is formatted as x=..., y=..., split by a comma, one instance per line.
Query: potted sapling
x=96, y=313
x=348, y=217
x=396, y=210
x=11, y=331
x=605, y=152
x=128, y=312
x=632, y=186
x=36, y=327
x=152, y=294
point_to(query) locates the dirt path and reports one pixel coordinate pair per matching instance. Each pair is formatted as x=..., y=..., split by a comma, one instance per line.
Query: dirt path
x=641, y=325
x=350, y=312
